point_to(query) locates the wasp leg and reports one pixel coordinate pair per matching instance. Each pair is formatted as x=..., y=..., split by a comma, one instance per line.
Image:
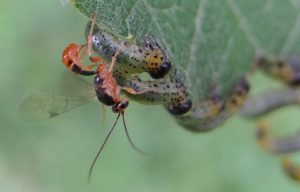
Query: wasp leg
x=290, y=168
x=87, y=69
x=134, y=92
x=113, y=60
x=90, y=36
x=277, y=145
x=287, y=71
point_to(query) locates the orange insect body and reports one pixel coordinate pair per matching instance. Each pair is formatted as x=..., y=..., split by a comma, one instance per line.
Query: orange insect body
x=108, y=93
x=72, y=59
x=109, y=83
x=107, y=89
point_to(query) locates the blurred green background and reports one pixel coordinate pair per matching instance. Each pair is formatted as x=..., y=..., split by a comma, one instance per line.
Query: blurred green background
x=55, y=155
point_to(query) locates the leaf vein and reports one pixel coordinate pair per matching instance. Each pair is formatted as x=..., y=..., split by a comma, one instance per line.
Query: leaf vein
x=292, y=36
x=244, y=26
x=196, y=33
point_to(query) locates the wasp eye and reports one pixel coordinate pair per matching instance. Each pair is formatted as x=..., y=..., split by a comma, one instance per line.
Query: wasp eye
x=121, y=106
x=98, y=80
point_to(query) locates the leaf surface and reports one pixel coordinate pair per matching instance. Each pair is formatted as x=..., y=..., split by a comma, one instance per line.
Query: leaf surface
x=213, y=42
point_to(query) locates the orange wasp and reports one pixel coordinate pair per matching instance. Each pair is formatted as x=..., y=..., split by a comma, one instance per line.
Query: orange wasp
x=106, y=88
x=108, y=93
x=48, y=105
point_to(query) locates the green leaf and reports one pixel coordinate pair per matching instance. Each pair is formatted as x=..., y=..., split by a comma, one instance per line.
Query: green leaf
x=213, y=42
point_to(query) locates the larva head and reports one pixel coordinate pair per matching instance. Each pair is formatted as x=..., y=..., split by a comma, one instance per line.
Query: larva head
x=156, y=63
x=156, y=60
x=161, y=71
x=180, y=108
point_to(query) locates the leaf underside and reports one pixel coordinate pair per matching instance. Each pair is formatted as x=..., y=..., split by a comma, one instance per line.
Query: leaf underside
x=212, y=42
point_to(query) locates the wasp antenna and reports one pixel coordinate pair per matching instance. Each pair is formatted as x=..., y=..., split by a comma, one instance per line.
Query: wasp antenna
x=101, y=148
x=129, y=139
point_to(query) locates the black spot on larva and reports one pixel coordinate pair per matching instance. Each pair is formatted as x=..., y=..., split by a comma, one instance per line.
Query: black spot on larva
x=155, y=85
x=140, y=50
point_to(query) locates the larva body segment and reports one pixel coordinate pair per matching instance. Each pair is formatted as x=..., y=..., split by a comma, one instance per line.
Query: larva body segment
x=132, y=58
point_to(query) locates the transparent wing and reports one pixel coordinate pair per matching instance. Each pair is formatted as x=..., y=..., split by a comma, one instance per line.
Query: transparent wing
x=71, y=92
